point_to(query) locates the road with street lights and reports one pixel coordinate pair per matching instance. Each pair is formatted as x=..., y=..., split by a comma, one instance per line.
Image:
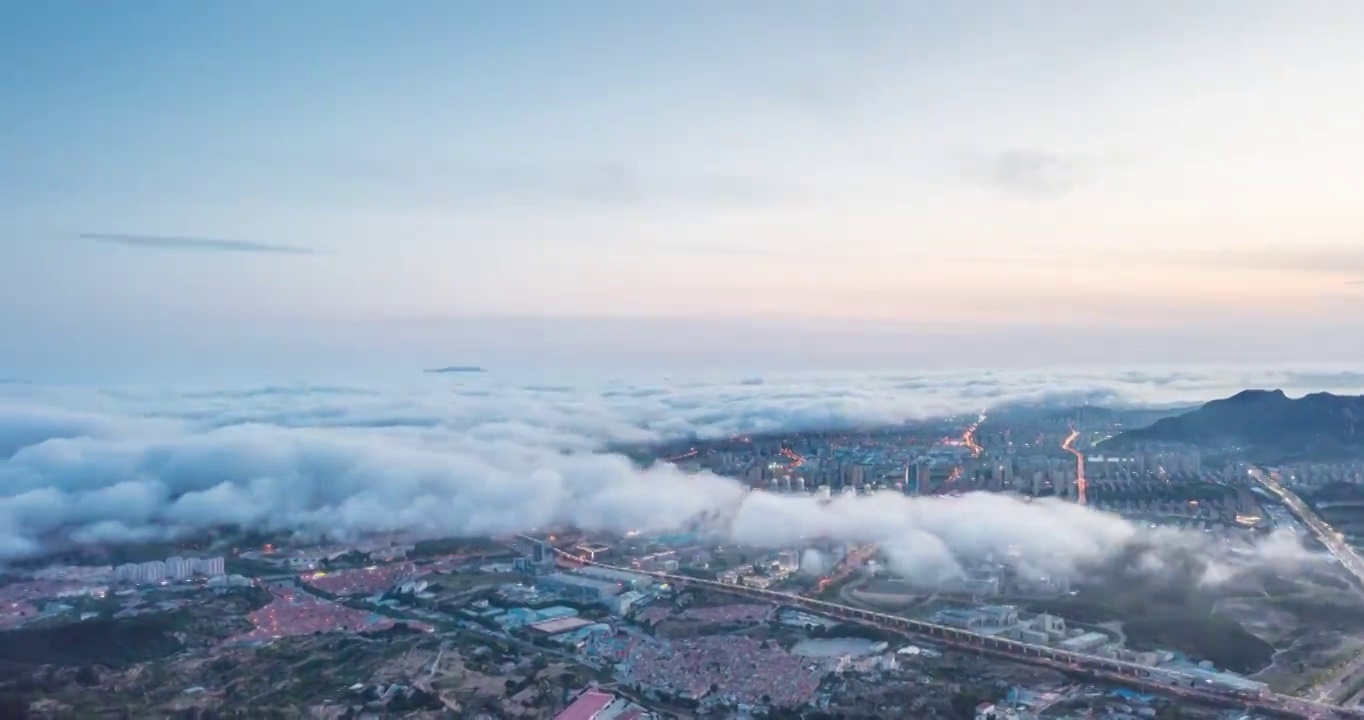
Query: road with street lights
x=1343, y=679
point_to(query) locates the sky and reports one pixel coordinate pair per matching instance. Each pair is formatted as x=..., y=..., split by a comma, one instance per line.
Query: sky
x=262, y=187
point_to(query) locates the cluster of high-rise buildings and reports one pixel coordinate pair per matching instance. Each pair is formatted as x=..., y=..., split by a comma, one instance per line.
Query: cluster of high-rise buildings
x=917, y=463
x=173, y=568
x=1174, y=460
x=779, y=477
x=1313, y=475
x=945, y=468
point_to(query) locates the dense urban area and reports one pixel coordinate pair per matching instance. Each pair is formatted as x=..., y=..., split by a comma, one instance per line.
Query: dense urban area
x=560, y=623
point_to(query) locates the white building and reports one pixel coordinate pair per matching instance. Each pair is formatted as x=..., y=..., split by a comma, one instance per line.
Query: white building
x=210, y=567
x=179, y=568
x=151, y=572
x=175, y=568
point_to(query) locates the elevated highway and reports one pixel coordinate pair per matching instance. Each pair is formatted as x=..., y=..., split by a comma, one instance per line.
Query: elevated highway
x=1344, y=680
x=1166, y=682
x=1333, y=541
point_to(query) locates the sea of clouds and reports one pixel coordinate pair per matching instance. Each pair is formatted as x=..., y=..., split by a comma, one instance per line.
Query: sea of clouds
x=480, y=454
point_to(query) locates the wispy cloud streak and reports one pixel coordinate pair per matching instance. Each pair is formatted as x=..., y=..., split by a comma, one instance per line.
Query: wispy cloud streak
x=162, y=242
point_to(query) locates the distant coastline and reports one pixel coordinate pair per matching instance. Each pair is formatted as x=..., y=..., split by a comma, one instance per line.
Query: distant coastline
x=457, y=369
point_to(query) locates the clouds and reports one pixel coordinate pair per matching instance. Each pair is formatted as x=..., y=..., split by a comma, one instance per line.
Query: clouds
x=470, y=456
x=196, y=244
x=1032, y=173
x=932, y=536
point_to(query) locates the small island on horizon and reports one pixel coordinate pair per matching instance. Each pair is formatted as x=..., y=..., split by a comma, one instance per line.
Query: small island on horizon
x=456, y=369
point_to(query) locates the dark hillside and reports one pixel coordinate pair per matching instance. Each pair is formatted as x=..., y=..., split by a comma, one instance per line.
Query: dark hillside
x=1265, y=423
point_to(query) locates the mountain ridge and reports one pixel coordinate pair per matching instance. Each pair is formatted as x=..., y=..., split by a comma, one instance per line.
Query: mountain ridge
x=1267, y=424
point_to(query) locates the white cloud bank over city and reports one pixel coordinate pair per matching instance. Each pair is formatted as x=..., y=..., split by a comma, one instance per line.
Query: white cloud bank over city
x=473, y=455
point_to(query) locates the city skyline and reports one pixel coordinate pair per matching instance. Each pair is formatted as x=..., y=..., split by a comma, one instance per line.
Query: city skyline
x=904, y=184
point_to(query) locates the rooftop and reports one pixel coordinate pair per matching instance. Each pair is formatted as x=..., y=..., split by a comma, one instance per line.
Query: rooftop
x=579, y=580
x=560, y=625
x=587, y=706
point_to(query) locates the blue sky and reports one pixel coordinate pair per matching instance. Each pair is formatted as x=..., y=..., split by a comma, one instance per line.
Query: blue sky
x=293, y=185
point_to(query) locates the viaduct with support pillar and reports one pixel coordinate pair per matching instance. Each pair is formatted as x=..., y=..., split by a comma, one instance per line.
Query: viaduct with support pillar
x=1159, y=680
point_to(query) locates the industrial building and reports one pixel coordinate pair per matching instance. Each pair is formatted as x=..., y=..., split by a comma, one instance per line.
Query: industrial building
x=1083, y=642
x=540, y=561
x=578, y=587
x=999, y=615
x=1042, y=629
x=520, y=617
x=887, y=592
x=965, y=619
x=988, y=617
x=560, y=625
x=624, y=603
x=634, y=581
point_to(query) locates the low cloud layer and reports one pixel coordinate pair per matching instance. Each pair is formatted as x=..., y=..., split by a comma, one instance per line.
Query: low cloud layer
x=481, y=455
x=934, y=541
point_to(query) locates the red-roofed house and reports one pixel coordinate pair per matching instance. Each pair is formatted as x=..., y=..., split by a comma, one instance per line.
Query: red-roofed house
x=587, y=706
